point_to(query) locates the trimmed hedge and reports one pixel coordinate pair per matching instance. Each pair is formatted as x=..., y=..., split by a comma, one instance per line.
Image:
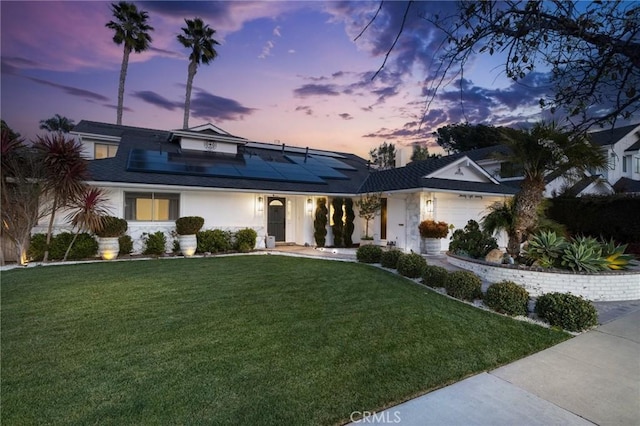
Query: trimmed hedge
x=508, y=298
x=245, y=240
x=435, y=276
x=369, y=254
x=411, y=265
x=126, y=245
x=565, y=310
x=464, y=285
x=389, y=258
x=214, y=241
x=85, y=246
x=155, y=243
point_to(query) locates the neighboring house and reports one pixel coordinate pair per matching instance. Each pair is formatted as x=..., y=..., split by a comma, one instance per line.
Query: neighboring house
x=622, y=146
x=154, y=177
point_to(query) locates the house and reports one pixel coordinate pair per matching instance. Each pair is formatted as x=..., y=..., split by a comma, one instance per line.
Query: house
x=622, y=146
x=154, y=177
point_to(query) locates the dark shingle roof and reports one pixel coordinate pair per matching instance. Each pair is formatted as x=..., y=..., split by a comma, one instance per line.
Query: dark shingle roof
x=627, y=185
x=634, y=147
x=413, y=176
x=611, y=136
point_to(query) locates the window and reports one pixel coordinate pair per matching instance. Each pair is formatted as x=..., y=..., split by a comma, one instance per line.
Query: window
x=151, y=206
x=103, y=150
x=637, y=167
x=509, y=170
x=626, y=163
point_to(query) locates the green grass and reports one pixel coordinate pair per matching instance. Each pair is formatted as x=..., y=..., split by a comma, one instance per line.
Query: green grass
x=245, y=340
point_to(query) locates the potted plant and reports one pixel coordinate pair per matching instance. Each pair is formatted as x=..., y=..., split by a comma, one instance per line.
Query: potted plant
x=368, y=208
x=112, y=229
x=432, y=231
x=187, y=227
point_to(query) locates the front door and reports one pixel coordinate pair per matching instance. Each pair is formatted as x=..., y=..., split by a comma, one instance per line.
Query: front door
x=276, y=218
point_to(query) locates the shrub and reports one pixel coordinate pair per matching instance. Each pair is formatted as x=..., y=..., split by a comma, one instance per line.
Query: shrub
x=126, y=245
x=508, y=298
x=214, y=241
x=411, y=265
x=155, y=243
x=189, y=225
x=463, y=285
x=84, y=247
x=320, y=222
x=349, y=216
x=338, y=225
x=565, y=310
x=369, y=254
x=389, y=258
x=37, y=247
x=435, y=276
x=472, y=241
x=245, y=240
x=433, y=229
x=112, y=227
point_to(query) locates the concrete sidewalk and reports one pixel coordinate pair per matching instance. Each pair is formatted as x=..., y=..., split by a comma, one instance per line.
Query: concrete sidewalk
x=593, y=378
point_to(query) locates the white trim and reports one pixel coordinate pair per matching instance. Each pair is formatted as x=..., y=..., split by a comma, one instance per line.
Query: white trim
x=208, y=137
x=98, y=137
x=469, y=163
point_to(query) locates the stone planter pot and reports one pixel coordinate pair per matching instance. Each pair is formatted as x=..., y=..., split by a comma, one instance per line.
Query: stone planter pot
x=108, y=247
x=432, y=246
x=188, y=244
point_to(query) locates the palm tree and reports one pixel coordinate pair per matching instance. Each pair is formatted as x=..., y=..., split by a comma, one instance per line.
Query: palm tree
x=65, y=171
x=540, y=151
x=199, y=38
x=87, y=213
x=132, y=30
x=57, y=123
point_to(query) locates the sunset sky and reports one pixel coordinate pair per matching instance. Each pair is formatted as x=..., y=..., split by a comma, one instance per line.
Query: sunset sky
x=287, y=71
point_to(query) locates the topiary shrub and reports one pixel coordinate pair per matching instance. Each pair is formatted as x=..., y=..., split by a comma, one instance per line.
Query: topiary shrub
x=338, y=225
x=472, y=241
x=389, y=258
x=411, y=265
x=37, y=247
x=349, y=216
x=565, y=310
x=508, y=298
x=155, y=243
x=245, y=240
x=112, y=227
x=320, y=222
x=214, y=241
x=434, y=276
x=126, y=245
x=464, y=285
x=369, y=254
x=189, y=225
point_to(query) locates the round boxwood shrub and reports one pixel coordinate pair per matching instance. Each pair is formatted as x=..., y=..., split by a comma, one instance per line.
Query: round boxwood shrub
x=464, y=285
x=155, y=243
x=434, y=276
x=411, y=265
x=565, y=310
x=389, y=258
x=112, y=227
x=508, y=298
x=189, y=225
x=369, y=254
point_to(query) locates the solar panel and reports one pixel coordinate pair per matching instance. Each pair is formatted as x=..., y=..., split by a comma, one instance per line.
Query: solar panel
x=333, y=163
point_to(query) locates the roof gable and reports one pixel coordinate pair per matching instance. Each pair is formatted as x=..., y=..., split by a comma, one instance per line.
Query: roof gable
x=612, y=136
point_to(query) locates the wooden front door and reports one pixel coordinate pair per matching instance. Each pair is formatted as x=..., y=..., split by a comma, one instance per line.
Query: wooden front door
x=276, y=218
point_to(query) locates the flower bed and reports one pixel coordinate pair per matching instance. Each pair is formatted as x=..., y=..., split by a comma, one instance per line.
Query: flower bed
x=597, y=287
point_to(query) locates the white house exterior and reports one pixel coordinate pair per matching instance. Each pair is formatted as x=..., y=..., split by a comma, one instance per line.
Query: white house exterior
x=622, y=146
x=154, y=177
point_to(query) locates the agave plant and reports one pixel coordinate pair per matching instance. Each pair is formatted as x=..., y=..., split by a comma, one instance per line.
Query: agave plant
x=546, y=248
x=614, y=256
x=584, y=254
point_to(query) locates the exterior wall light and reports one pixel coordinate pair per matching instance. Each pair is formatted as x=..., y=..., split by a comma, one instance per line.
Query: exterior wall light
x=260, y=205
x=309, y=206
x=429, y=206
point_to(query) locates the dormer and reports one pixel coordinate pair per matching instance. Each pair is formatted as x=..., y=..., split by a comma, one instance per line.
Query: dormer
x=97, y=146
x=207, y=138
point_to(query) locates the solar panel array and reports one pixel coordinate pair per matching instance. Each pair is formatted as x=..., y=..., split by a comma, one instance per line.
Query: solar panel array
x=312, y=170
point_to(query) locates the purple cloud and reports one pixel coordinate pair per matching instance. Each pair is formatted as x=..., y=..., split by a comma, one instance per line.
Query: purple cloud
x=316, y=90
x=157, y=100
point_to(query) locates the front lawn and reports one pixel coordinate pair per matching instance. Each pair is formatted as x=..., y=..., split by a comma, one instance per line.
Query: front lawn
x=244, y=340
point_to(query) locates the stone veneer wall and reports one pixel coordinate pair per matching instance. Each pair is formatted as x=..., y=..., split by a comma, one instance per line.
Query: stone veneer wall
x=414, y=216
x=600, y=287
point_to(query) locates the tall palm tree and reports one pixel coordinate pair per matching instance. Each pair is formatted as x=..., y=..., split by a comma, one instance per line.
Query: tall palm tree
x=132, y=30
x=199, y=38
x=57, y=123
x=65, y=171
x=542, y=150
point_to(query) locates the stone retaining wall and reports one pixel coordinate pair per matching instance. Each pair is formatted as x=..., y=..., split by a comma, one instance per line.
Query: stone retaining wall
x=599, y=287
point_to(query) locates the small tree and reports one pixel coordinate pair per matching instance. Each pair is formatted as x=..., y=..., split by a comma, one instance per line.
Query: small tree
x=348, y=223
x=338, y=226
x=320, y=222
x=57, y=123
x=368, y=208
x=384, y=156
